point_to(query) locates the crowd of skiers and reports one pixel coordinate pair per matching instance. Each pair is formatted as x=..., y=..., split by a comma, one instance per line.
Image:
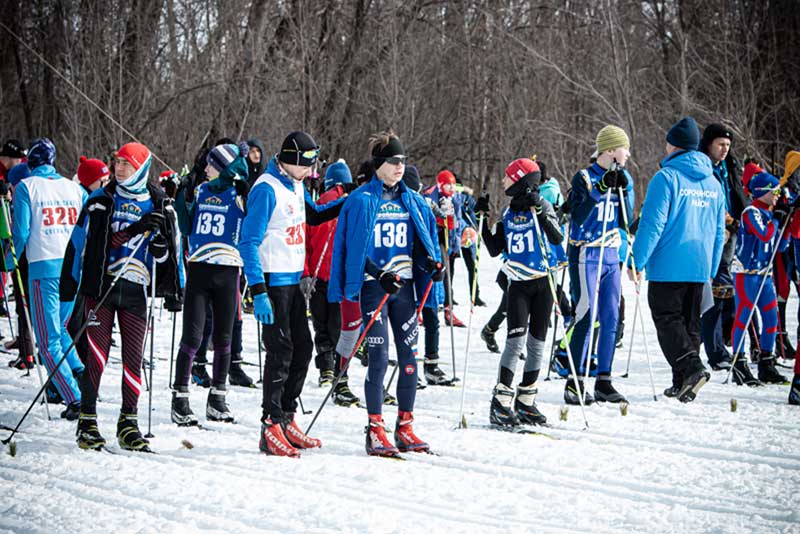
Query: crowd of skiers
x=243, y=231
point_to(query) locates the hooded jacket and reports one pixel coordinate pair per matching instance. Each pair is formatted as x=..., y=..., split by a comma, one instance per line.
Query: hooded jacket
x=256, y=169
x=682, y=227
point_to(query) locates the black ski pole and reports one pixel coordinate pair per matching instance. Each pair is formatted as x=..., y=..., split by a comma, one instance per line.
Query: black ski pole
x=172, y=350
x=555, y=328
x=152, y=342
x=90, y=318
x=303, y=408
x=260, y=372
x=5, y=299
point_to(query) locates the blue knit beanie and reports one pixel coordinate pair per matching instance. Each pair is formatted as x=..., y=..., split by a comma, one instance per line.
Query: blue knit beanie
x=337, y=173
x=41, y=152
x=762, y=183
x=684, y=134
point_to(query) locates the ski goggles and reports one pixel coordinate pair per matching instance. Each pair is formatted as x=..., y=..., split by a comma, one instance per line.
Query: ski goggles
x=395, y=160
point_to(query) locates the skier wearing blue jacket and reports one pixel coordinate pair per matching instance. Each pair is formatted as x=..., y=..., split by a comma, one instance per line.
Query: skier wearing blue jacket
x=591, y=214
x=679, y=245
x=386, y=243
x=273, y=250
x=46, y=207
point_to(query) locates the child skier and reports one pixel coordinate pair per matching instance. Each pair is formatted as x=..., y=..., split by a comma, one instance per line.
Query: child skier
x=530, y=298
x=273, y=250
x=214, y=221
x=385, y=243
x=108, y=237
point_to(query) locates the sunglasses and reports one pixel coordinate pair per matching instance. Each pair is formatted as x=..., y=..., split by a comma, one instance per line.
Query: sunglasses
x=306, y=154
x=396, y=160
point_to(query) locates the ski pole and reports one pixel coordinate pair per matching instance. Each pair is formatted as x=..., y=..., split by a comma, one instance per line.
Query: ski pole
x=302, y=408
x=152, y=343
x=449, y=276
x=462, y=423
x=425, y=295
x=551, y=284
x=637, y=307
x=767, y=274
x=258, y=342
x=172, y=350
x=391, y=377
x=343, y=370
x=90, y=318
x=555, y=329
x=319, y=264
x=5, y=296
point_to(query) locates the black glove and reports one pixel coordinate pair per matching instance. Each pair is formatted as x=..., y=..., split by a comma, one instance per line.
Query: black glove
x=482, y=204
x=349, y=188
x=4, y=188
x=531, y=198
x=390, y=282
x=242, y=187
x=158, y=246
x=781, y=212
x=612, y=180
x=150, y=222
x=436, y=269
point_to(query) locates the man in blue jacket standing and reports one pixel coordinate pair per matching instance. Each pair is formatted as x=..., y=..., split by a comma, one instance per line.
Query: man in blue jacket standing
x=679, y=244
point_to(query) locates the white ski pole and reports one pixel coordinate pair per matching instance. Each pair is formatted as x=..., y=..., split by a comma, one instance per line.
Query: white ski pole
x=462, y=422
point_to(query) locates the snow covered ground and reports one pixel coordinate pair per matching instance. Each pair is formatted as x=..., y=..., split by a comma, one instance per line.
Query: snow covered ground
x=666, y=467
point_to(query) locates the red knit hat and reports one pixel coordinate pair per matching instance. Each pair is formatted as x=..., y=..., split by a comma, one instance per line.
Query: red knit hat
x=519, y=168
x=750, y=170
x=445, y=178
x=91, y=170
x=135, y=153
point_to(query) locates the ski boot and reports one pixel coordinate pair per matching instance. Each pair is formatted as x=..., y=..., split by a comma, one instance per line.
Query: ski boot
x=766, y=369
x=672, y=391
x=272, y=441
x=377, y=443
x=216, y=407
x=487, y=335
x=479, y=302
x=525, y=406
x=363, y=354
x=296, y=437
x=326, y=378
x=604, y=390
x=695, y=377
x=12, y=345
x=200, y=375
x=500, y=411
x=72, y=412
x=434, y=375
x=128, y=435
x=388, y=398
x=571, y=393
x=723, y=365
x=87, y=434
x=560, y=360
x=421, y=383
x=182, y=414
x=52, y=394
x=794, y=391
x=449, y=317
x=404, y=435
x=237, y=376
x=741, y=372
x=785, y=348
x=22, y=363
x=620, y=335
x=342, y=396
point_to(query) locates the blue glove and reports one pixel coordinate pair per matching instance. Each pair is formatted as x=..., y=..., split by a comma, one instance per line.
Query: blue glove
x=262, y=308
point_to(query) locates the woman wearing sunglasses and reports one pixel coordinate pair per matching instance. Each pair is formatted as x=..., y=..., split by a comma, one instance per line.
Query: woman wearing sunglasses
x=384, y=254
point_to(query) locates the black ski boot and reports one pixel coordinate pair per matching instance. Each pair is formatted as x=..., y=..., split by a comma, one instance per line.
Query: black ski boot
x=525, y=406
x=620, y=334
x=326, y=378
x=388, y=398
x=72, y=412
x=487, y=336
x=741, y=372
x=672, y=391
x=695, y=377
x=182, y=414
x=216, y=408
x=604, y=390
x=785, y=349
x=237, y=376
x=87, y=434
x=200, y=375
x=794, y=391
x=342, y=396
x=128, y=435
x=500, y=411
x=52, y=394
x=363, y=354
x=571, y=394
x=434, y=375
x=766, y=369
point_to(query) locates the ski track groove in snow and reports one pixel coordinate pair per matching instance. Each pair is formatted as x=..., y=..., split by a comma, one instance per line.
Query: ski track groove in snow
x=666, y=467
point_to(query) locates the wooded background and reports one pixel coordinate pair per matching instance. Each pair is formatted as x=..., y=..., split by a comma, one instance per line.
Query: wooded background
x=468, y=85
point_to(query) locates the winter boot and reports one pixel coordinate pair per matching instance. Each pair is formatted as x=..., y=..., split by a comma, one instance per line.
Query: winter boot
x=766, y=369
x=695, y=377
x=404, y=435
x=72, y=412
x=672, y=391
x=87, y=434
x=433, y=373
x=571, y=393
x=342, y=396
x=525, y=406
x=128, y=435
x=237, y=376
x=500, y=411
x=378, y=443
x=604, y=390
x=272, y=441
x=388, y=398
x=479, y=301
x=741, y=372
x=487, y=335
x=296, y=437
x=182, y=414
x=326, y=378
x=216, y=407
x=450, y=317
x=200, y=375
x=794, y=391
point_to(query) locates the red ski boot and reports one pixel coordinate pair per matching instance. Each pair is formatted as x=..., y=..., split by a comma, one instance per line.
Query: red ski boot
x=273, y=441
x=296, y=437
x=377, y=442
x=449, y=317
x=404, y=435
